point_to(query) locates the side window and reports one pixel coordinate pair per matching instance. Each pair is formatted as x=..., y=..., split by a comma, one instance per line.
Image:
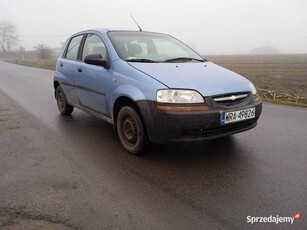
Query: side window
x=73, y=48
x=94, y=45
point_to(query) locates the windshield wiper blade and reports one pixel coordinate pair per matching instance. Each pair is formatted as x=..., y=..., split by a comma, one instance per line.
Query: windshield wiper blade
x=140, y=60
x=183, y=59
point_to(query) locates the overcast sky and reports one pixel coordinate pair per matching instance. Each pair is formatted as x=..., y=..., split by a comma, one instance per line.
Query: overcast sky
x=209, y=26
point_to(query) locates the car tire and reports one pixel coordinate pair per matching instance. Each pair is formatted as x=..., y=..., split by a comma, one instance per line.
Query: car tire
x=131, y=131
x=63, y=106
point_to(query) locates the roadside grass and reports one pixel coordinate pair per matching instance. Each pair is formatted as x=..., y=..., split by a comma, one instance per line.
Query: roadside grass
x=284, y=102
x=36, y=63
x=280, y=78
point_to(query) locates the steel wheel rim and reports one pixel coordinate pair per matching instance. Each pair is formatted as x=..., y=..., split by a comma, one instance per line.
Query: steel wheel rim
x=129, y=129
x=61, y=101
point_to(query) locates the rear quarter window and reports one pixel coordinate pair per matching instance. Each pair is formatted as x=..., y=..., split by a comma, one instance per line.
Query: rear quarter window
x=73, y=48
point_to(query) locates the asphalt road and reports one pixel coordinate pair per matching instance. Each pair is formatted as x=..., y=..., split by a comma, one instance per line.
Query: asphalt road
x=71, y=172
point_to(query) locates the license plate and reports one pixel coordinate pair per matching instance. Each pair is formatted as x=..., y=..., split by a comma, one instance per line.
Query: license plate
x=240, y=115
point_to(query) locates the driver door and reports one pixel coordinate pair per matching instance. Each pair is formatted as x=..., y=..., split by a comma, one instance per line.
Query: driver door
x=92, y=80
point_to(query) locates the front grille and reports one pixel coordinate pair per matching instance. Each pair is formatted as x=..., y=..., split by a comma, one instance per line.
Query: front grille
x=230, y=99
x=209, y=133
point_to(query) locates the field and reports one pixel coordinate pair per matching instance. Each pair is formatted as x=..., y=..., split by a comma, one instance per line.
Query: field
x=278, y=78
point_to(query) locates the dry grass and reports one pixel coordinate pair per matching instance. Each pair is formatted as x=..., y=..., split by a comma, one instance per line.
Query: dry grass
x=36, y=63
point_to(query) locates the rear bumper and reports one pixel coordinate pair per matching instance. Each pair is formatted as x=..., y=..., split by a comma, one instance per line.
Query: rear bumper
x=174, y=126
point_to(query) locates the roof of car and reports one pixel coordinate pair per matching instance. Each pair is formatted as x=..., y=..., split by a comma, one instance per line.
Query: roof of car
x=105, y=30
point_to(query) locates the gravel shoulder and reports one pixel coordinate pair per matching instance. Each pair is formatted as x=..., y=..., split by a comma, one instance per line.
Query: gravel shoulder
x=27, y=200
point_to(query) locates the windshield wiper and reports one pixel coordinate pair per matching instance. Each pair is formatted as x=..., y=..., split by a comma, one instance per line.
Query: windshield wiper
x=140, y=60
x=183, y=59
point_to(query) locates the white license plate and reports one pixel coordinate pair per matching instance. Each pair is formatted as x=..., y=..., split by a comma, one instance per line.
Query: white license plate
x=240, y=115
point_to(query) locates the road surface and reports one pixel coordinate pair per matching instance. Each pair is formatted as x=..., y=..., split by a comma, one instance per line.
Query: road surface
x=71, y=172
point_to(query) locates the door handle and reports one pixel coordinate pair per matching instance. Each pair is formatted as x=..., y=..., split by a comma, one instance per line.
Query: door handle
x=79, y=69
x=61, y=64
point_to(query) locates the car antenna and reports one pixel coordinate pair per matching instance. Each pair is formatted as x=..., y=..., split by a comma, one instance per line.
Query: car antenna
x=136, y=23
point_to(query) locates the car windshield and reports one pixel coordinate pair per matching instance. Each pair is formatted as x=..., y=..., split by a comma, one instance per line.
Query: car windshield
x=151, y=47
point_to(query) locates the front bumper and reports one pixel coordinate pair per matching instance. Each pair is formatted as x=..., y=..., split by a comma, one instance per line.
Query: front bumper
x=173, y=126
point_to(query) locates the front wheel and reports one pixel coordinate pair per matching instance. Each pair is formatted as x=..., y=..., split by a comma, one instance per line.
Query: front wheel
x=130, y=130
x=63, y=106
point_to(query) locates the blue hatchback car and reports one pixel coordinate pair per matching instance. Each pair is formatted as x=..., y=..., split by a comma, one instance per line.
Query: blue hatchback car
x=152, y=87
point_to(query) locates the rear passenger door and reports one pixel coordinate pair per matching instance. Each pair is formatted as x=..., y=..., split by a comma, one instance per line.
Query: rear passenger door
x=67, y=68
x=92, y=80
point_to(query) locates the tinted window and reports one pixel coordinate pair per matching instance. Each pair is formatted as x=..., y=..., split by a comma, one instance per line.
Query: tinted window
x=73, y=48
x=94, y=45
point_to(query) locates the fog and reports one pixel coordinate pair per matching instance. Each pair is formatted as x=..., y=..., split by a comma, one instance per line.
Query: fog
x=209, y=26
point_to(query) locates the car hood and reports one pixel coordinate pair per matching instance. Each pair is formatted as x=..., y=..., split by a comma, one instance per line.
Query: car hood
x=205, y=77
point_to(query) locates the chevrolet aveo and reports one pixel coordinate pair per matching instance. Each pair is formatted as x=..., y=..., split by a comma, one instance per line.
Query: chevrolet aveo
x=152, y=87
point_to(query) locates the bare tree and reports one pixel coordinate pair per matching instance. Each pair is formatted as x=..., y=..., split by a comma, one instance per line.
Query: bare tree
x=44, y=52
x=8, y=36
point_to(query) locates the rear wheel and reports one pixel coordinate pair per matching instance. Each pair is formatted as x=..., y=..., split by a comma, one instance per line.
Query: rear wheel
x=130, y=130
x=63, y=106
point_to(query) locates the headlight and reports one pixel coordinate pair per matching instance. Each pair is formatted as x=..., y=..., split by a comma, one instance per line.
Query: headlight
x=253, y=88
x=178, y=96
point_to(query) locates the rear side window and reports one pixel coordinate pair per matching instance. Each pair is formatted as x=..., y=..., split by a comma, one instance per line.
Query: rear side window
x=73, y=48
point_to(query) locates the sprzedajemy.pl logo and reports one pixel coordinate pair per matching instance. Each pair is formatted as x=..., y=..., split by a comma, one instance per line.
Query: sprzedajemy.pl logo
x=273, y=219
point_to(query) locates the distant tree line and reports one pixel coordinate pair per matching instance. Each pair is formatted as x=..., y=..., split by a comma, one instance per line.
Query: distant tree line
x=265, y=50
x=9, y=39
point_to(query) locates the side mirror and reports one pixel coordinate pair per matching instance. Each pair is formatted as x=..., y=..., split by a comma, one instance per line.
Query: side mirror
x=96, y=59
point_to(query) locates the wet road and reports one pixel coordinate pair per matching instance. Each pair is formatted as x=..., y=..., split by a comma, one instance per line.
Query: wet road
x=72, y=172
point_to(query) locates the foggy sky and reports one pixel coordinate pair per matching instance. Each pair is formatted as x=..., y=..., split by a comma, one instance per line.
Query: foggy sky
x=208, y=26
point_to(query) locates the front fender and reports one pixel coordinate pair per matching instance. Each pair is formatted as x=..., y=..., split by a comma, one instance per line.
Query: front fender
x=129, y=91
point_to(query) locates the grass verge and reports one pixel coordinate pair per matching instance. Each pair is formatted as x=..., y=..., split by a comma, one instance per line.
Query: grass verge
x=36, y=63
x=283, y=102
